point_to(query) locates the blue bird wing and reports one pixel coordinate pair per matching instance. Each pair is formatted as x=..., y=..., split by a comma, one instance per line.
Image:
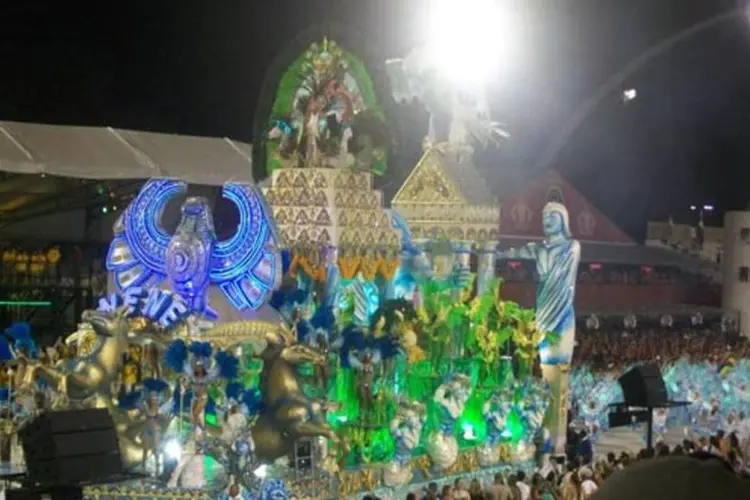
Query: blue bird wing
x=247, y=266
x=137, y=254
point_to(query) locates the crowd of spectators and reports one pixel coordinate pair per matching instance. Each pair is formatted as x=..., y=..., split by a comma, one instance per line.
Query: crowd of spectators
x=581, y=481
x=615, y=350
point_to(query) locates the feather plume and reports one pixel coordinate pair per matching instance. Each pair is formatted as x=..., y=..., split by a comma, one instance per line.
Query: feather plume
x=175, y=355
x=229, y=366
x=201, y=349
x=21, y=335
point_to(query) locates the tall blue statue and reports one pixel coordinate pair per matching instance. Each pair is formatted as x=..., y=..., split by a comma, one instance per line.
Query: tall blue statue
x=245, y=267
x=557, y=258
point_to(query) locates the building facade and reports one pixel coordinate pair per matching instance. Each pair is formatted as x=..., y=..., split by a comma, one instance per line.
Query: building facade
x=736, y=267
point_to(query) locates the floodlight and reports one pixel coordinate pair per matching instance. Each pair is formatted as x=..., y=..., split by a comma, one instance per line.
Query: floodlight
x=469, y=40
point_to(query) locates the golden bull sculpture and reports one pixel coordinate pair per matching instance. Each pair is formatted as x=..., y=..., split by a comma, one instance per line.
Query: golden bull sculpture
x=288, y=415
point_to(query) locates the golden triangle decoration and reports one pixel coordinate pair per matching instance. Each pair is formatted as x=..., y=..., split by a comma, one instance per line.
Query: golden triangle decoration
x=428, y=184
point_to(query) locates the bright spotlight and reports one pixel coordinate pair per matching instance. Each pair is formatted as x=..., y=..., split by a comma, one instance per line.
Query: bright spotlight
x=629, y=94
x=261, y=471
x=172, y=449
x=470, y=39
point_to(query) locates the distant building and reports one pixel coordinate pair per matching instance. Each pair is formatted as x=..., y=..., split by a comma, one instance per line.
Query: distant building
x=616, y=275
x=736, y=267
x=686, y=238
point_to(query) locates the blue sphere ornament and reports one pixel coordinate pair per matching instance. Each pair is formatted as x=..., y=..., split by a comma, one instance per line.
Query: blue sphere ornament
x=246, y=267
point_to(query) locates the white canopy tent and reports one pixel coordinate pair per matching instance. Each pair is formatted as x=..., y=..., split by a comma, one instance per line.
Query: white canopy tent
x=108, y=153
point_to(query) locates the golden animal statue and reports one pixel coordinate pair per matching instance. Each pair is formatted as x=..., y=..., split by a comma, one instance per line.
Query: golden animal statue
x=288, y=413
x=86, y=382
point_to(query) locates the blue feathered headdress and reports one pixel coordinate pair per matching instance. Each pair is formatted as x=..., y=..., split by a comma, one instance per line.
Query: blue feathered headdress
x=22, y=340
x=6, y=354
x=323, y=319
x=5, y=395
x=252, y=402
x=133, y=399
x=287, y=298
x=201, y=349
x=176, y=355
x=155, y=385
x=130, y=400
x=229, y=366
x=234, y=391
x=353, y=340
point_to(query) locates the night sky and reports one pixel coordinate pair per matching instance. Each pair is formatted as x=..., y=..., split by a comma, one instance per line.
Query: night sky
x=197, y=67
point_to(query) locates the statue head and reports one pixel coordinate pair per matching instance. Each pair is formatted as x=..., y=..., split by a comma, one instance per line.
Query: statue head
x=196, y=215
x=107, y=326
x=555, y=221
x=301, y=353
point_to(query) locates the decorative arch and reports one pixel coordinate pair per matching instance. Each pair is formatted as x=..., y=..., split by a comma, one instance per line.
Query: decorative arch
x=279, y=86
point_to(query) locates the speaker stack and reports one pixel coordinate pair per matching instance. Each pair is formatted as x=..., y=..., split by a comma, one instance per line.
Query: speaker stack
x=643, y=386
x=65, y=449
x=643, y=390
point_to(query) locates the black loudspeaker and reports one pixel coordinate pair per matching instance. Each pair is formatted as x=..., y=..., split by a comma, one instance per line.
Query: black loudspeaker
x=68, y=448
x=643, y=386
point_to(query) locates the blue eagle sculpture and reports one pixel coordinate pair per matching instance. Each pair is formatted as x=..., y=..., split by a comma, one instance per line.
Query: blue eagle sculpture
x=245, y=267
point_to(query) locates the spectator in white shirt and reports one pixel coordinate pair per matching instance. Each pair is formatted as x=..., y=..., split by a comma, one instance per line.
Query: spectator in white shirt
x=588, y=486
x=522, y=486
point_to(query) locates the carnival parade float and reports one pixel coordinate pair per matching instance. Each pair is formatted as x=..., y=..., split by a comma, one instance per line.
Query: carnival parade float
x=329, y=346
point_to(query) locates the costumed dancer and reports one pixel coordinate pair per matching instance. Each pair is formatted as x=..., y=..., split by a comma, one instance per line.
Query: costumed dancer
x=715, y=419
x=659, y=423
x=451, y=397
x=17, y=394
x=153, y=402
x=365, y=363
x=199, y=368
x=22, y=349
x=242, y=408
x=557, y=259
x=315, y=332
x=363, y=354
x=9, y=416
x=535, y=413
x=130, y=374
x=695, y=409
x=495, y=412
